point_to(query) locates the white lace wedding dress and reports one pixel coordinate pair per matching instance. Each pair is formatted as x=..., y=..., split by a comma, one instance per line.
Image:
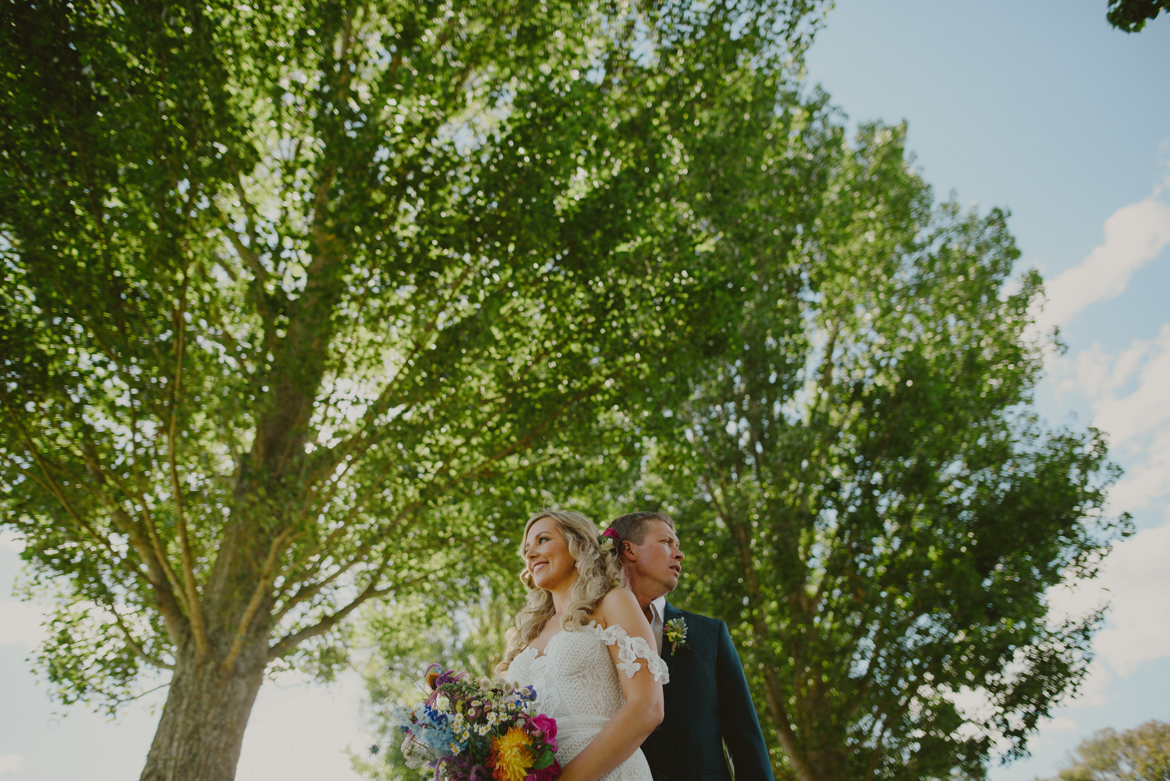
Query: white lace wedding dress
x=576, y=683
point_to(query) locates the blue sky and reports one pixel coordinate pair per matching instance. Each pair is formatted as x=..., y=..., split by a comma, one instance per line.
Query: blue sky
x=1033, y=105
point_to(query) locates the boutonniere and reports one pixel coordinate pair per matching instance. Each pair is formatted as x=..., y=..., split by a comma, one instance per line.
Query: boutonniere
x=675, y=631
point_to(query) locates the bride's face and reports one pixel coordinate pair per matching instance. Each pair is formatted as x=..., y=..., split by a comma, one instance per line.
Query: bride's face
x=548, y=557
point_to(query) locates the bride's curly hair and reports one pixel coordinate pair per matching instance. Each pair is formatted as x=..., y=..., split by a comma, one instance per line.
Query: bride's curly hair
x=598, y=571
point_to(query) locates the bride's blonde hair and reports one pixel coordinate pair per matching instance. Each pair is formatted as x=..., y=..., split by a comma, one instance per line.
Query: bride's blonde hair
x=598, y=571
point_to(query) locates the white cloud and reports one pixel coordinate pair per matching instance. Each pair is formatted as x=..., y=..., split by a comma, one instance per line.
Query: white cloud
x=20, y=623
x=1062, y=724
x=1128, y=396
x=10, y=763
x=1138, y=581
x=1088, y=372
x=1134, y=235
x=1051, y=733
x=1143, y=482
x=1134, y=580
x=1148, y=406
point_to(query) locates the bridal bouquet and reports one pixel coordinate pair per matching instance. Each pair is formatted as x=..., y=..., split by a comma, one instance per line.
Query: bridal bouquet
x=466, y=731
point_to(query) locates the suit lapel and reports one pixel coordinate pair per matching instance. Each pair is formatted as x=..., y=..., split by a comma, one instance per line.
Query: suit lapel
x=668, y=614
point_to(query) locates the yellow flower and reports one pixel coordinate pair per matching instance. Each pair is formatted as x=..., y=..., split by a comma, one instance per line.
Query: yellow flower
x=511, y=757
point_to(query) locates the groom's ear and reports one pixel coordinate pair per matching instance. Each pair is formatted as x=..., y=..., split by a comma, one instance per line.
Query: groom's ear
x=628, y=550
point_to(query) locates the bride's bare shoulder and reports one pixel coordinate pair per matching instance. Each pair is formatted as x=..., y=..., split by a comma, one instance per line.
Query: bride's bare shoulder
x=618, y=607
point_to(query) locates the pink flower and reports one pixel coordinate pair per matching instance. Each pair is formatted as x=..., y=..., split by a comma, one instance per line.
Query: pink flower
x=612, y=534
x=544, y=728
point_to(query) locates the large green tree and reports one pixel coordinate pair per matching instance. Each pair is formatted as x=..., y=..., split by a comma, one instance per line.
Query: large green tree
x=863, y=490
x=292, y=292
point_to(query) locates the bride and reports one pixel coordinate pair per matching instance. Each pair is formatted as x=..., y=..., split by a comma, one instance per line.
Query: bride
x=584, y=645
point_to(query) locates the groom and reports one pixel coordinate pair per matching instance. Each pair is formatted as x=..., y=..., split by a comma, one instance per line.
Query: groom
x=707, y=701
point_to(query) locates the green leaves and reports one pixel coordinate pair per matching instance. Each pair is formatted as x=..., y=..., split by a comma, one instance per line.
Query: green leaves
x=544, y=760
x=870, y=501
x=300, y=299
x=1139, y=753
x=1131, y=15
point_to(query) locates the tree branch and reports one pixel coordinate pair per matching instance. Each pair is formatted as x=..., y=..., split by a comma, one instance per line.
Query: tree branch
x=98, y=338
x=323, y=551
x=289, y=642
x=195, y=610
x=246, y=252
x=876, y=758
x=784, y=731
x=382, y=403
x=267, y=575
x=58, y=494
x=135, y=646
x=168, y=590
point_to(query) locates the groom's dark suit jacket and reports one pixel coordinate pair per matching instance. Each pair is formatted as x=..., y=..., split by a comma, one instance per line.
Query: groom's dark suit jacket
x=707, y=704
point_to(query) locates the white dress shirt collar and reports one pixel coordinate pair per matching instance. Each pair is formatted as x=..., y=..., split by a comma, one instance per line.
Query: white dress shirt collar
x=657, y=610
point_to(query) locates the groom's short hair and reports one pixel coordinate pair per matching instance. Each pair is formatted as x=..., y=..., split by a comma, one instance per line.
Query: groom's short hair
x=633, y=526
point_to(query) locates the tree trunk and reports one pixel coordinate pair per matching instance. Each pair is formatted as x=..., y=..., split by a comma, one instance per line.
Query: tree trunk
x=202, y=727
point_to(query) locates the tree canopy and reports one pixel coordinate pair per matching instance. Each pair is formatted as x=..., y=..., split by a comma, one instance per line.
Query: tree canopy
x=1131, y=15
x=295, y=294
x=1138, y=754
x=865, y=494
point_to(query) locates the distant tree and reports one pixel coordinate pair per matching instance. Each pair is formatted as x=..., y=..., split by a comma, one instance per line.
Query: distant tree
x=293, y=295
x=1138, y=754
x=1132, y=15
x=864, y=492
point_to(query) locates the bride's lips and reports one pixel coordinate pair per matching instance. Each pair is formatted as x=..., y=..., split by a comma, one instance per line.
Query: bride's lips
x=537, y=565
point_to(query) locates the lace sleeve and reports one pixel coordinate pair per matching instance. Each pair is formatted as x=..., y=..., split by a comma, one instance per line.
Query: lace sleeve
x=630, y=649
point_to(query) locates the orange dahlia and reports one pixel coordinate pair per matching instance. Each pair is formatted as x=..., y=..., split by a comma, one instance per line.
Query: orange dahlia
x=511, y=756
